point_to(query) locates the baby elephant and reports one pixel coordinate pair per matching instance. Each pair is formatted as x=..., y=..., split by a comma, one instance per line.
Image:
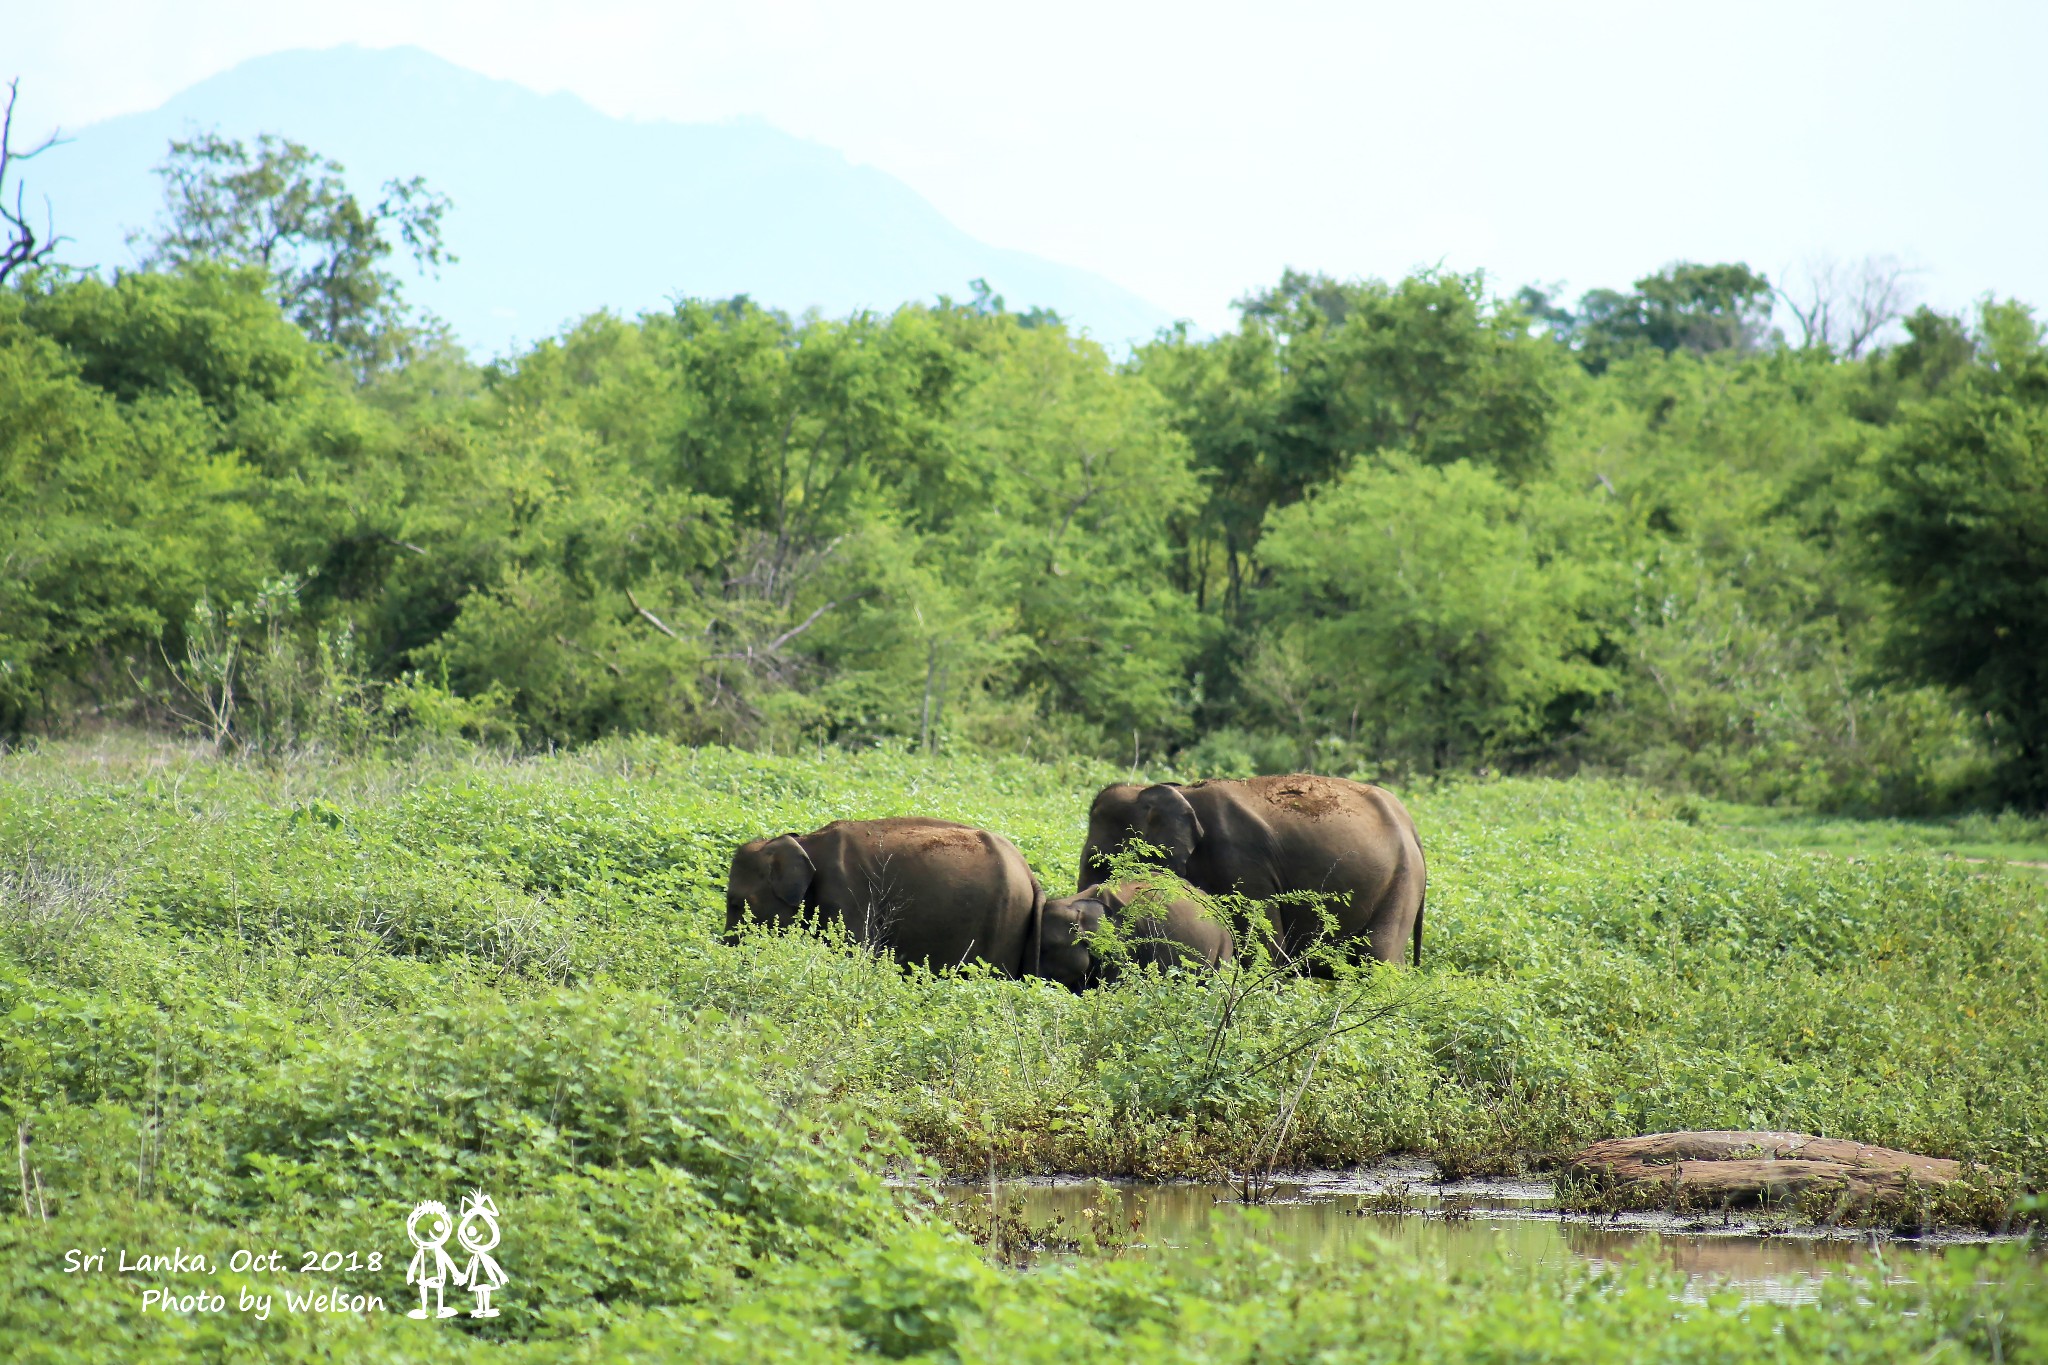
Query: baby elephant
x=926, y=891
x=1159, y=928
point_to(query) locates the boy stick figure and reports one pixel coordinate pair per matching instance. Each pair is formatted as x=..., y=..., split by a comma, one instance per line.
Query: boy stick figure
x=479, y=1233
x=428, y=1227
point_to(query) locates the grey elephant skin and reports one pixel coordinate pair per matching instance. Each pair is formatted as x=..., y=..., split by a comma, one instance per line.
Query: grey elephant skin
x=923, y=891
x=1261, y=836
x=1161, y=930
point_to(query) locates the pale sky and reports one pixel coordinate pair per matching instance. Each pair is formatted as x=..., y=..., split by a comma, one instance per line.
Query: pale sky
x=1191, y=151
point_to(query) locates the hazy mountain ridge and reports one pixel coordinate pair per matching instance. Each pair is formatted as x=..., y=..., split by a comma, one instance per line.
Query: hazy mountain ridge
x=561, y=210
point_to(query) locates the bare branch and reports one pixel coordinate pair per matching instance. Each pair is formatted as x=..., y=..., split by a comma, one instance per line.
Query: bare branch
x=1074, y=509
x=1882, y=296
x=794, y=631
x=1811, y=303
x=652, y=619
x=756, y=651
x=22, y=248
x=1844, y=308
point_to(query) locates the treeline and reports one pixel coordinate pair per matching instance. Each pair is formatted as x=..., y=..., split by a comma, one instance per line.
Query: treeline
x=1410, y=526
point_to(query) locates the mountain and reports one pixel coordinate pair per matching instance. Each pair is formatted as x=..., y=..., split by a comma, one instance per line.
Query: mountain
x=560, y=210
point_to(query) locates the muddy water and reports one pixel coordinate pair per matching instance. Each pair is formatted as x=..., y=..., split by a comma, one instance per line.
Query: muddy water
x=1464, y=1223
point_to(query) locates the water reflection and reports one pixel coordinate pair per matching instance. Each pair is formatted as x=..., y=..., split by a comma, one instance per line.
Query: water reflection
x=1332, y=1216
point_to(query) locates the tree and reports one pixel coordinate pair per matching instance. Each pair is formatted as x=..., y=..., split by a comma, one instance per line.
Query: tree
x=1423, y=608
x=1937, y=350
x=1430, y=365
x=1844, y=308
x=1321, y=371
x=547, y=570
x=1539, y=304
x=732, y=471
x=287, y=210
x=1961, y=532
x=1698, y=308
x=117, y=511
x=1937, y=347
x=1079, y=478
x=23, y=247
x=984, y=302
x=209, y=332
x=1224, y=396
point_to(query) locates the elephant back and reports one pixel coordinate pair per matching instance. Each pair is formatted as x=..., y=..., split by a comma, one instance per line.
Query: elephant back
x=1308, y=798
x=1306, y=832
x=933, y=892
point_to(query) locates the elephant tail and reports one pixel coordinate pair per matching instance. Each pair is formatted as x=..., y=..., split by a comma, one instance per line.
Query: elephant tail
x=1422, y=898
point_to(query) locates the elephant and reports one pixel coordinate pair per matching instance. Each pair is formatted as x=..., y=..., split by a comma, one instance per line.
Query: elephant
x=924, y=891
x=1262, y=836
x=1162, y=929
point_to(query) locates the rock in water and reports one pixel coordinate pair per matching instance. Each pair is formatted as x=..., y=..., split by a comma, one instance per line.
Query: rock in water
x=1718, y=1169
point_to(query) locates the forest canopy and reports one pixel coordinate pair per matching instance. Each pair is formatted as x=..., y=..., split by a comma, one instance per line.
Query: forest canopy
x=1390, y=527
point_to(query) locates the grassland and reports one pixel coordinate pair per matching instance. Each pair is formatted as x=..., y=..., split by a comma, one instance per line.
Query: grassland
x=2007, y=838
x=264, y=1007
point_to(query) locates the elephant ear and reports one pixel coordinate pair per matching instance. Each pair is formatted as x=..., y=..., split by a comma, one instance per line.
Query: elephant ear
x=1165, y=818
x=790, y=869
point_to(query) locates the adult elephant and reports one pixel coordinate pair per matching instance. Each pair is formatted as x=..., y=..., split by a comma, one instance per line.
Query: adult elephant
x=1262, y=836
x=926, y=891
x=1156, y=926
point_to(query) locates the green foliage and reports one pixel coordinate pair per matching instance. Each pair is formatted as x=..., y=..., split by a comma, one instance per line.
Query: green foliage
x=1698, y=308
x=961, y=527
x=274, y=1006
x=1430, y=366
x=1959, y=531
x=285, y=212
x=1321, y=371
x=911, y=1297
x=123, y=494
x=1082, y=482
x=1745, y=641
x=891, y=523
x=1721, y=698
x=211, y=332
x=1426, y=604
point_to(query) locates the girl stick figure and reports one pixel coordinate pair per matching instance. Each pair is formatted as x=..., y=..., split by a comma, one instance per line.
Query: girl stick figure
x=429, y=1226
x=479, y=1233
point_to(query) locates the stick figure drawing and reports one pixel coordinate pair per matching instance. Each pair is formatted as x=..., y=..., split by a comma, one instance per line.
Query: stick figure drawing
x=428, y=1226
x=478, y=1234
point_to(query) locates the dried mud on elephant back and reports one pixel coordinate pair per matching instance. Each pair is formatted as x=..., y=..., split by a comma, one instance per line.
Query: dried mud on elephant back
x=1817, y=1179
x=1309, y=797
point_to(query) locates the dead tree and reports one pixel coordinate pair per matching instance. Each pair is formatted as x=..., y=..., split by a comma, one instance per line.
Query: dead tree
x=23, y=248
x=1843, y=308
